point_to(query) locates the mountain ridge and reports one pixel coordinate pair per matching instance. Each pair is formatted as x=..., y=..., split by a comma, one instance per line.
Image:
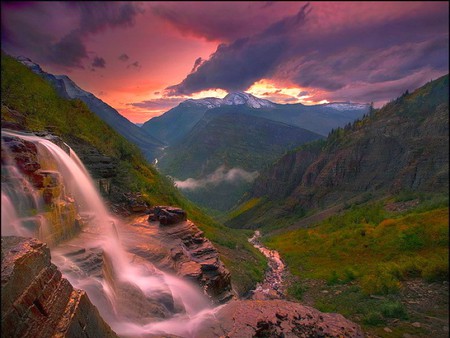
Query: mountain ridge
x=176, y=123
x=402, y=146
x=67, y=88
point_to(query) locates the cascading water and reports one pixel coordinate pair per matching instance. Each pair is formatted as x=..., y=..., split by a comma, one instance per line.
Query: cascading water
x=133, y=296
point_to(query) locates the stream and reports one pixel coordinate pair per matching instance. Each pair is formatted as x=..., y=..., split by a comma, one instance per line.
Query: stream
x=272, y=286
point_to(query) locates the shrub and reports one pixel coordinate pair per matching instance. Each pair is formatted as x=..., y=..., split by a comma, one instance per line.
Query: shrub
x=373, y=318
x=296, y=290
x=380, y=282
x=394, y=310
x=436, y=271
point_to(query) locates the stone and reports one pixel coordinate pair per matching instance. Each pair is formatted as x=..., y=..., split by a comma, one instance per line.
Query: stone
x=37, y=302
x=276, y=318
x=388, y=330
x=169, y=215
x=416, y=324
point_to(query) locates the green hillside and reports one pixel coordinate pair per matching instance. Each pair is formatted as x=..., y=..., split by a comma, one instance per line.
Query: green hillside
x=28, y=100
x=400, y=147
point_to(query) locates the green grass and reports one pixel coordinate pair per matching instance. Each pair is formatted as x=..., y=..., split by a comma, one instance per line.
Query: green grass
x=29, y=100
x=367, y=245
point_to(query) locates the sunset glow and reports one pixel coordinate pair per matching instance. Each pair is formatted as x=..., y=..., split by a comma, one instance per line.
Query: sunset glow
x=143, y=58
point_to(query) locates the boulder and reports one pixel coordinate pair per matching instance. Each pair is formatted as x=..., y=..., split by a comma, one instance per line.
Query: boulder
x=276, y=318
x=37, y=302
x=168, y=215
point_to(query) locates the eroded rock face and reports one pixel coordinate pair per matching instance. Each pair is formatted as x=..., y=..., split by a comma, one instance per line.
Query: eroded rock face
x=197, y=259
x=276, y=318
x=37, y=302
x=167, y=215
x=181, y=248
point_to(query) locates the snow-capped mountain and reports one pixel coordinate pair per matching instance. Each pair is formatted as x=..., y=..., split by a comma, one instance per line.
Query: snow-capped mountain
x=232, y=99
x=345, y=106
x=247, y=99
x=208, y=102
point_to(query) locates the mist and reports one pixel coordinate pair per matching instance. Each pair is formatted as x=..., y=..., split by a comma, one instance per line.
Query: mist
x=220, y=175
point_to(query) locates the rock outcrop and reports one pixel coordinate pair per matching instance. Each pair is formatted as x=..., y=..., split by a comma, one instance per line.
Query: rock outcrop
x=276, y=318
x=167, y=215
x=37, y=301
x=183, y=249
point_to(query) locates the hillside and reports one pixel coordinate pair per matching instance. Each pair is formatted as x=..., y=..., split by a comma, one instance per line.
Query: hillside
x=229, y=138
x=401, y=147
x=66, y=88
x=30, y=103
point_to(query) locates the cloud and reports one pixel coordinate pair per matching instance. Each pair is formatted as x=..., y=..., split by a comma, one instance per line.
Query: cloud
x=124, y=57
x=236, y=66
x=220, y=175
x=98, y=62
x=135, y=65
x=159, y=103
x=220, y=21
x=197, y=63
x=59, y=30
x=319, y=48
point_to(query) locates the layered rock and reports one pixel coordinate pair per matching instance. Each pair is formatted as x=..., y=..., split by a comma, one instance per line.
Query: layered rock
x=37, y=302
x=276, y=318
x=181, y=248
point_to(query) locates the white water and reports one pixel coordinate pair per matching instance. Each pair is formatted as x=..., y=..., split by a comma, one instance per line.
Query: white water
x=108, y=290
x=273, y=279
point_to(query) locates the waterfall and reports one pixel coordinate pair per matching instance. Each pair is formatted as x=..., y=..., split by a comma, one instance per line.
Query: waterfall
x=67, y=212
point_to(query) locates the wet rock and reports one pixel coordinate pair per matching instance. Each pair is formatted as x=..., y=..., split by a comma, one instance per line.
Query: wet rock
x=23, y=153
x=195, y=257
x=134, y=202
x=168, y=215
x=276, y=318
x=37, y=302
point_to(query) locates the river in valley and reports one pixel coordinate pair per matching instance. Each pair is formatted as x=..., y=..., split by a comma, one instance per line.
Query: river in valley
x=272, y=286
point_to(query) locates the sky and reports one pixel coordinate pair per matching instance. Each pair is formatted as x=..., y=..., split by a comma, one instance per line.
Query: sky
x=143, y=58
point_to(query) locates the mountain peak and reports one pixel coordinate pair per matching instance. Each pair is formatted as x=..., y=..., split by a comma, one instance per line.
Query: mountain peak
x=241, y=98
x=30, y=64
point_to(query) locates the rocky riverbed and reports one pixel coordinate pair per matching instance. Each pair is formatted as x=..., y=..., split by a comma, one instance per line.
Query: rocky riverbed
x=272, y=286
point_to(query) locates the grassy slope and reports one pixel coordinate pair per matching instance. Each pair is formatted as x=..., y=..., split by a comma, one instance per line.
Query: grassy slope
x=369, y=251
x=40, y=107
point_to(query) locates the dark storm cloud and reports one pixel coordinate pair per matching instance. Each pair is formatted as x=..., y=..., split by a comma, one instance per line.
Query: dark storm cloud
x=124, y=57
x=236, y=66
x=159, y=104
x=98, y=62
x=197, y=63
x=26, y=34
x=367, y=52
x=135, y=65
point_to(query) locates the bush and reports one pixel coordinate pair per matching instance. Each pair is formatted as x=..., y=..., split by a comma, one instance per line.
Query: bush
x=373, y=318
x=333, y=278
x=394, y=310
x=296, y=291
x=380, y=282
x=436, y=271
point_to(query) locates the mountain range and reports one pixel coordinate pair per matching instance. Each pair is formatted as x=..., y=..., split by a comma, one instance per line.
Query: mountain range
x=401, y=147
x=238, y=132
x=173, y=125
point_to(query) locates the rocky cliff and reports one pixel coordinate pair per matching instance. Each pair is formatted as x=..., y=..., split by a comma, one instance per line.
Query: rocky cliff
x=37, y=301
x=401, y=147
